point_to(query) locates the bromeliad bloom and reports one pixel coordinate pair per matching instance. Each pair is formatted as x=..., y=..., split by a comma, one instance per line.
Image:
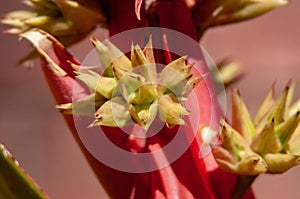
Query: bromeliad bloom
x=164, y=98
x=134, y=92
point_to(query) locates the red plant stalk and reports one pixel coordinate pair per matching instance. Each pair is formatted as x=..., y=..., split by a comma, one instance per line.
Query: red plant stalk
x=187, y=177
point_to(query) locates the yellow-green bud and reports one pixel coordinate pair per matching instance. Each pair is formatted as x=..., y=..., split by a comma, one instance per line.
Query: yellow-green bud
x=60, y=18
x=235, y=156
x=273, y=136
x=114, y=113
x=170, y=110
x=131, y=90
x=279, y=163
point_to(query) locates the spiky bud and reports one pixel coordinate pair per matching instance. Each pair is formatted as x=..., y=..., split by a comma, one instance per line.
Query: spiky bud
x=131, y=91
x=236, y=156
x=69, y=21
x=272, y=135
x=214, y=13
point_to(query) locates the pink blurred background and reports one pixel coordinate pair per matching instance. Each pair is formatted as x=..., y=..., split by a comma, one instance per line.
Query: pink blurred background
x=30, y=127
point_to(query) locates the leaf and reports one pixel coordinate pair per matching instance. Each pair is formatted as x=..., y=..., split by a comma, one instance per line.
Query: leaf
x=14, y=181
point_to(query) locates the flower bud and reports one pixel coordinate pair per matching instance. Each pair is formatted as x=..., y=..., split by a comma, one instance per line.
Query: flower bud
x=170, y=110
x=235, y=156
x=133, y=91
x=266, y=141
x=213, y=13
x=69, y=21
x=113, y=113
x=279, y=163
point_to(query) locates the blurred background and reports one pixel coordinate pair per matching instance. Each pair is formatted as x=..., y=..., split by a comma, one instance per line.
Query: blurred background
x=30, y=127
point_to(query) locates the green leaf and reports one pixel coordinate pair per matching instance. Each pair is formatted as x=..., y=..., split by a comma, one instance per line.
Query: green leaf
x=14, y=181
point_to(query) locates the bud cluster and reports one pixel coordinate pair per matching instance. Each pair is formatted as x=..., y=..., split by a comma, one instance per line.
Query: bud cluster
x=220, y=12
x=69, y=21
x=131, y=91
x=268, y=143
